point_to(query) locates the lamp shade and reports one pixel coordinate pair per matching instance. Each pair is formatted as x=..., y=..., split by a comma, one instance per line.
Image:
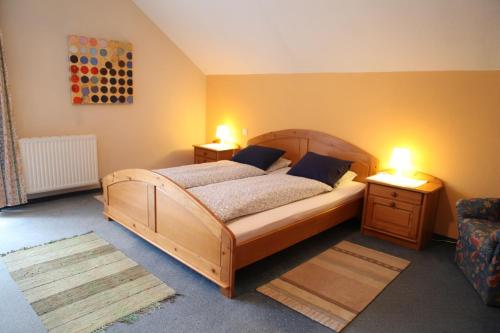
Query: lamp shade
x=223, y=133
x=400, y=160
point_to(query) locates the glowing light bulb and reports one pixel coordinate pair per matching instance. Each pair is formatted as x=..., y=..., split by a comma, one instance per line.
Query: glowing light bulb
x=401, y=161
x=223, y=133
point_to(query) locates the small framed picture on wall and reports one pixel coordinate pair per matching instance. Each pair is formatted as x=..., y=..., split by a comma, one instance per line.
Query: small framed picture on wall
x=101, y=71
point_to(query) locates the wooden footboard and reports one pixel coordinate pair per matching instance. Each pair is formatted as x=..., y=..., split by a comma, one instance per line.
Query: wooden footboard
x=169, y=217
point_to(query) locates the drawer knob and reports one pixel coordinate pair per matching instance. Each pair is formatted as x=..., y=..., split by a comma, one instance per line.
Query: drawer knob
x=393, y=204
x=394, y=194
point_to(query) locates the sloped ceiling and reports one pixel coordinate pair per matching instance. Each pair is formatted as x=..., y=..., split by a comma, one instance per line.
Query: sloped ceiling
x=294, y=36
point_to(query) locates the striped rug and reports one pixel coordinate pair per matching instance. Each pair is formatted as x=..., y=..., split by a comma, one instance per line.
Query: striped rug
x=335, y=286
x=82, y=284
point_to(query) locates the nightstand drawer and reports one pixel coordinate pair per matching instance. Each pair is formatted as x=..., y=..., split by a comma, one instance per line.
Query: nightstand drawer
x=396, y=194
x=392, y=217
x=205, y=153
x=199, y=159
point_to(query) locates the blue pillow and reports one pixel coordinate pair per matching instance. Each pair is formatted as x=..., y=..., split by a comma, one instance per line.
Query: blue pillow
x=258, y=156
x=325, y=169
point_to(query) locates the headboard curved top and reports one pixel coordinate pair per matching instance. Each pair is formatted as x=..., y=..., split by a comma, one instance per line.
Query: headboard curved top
x=297, y=142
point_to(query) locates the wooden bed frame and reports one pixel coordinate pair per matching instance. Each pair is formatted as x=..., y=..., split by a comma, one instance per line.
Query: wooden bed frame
x=169, y=217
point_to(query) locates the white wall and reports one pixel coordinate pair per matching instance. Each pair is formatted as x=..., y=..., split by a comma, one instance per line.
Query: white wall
x=292, y=36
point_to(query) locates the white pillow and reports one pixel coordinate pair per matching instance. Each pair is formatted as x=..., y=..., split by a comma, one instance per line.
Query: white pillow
x=279, y=164
x=281, y=171
x=347, y=177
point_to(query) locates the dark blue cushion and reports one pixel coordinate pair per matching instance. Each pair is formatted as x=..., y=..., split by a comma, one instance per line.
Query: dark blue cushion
x=325, y=169
x=258, y=156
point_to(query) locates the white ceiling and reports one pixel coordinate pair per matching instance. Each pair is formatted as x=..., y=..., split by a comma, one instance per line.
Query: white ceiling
x=293, y=36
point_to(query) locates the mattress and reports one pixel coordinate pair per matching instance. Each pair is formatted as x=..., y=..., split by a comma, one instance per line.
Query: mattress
x=251, y=226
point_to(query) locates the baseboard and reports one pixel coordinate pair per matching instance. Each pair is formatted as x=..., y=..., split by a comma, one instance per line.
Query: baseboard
x=37, y=197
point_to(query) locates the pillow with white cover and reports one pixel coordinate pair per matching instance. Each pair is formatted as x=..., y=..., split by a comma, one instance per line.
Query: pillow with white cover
x=281, y=171
x=346, y=178
x=279, y=164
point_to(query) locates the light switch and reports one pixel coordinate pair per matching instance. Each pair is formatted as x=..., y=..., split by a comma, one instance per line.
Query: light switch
x=244, y=131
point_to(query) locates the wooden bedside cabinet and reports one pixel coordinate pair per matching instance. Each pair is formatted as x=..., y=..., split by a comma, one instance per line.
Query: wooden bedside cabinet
x=402, y=215
x=212, y=152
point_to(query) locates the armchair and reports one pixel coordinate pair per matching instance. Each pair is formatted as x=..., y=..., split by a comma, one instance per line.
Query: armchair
x=478, y=246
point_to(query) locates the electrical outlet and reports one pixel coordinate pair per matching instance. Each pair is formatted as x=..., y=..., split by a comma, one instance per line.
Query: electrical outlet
x=244, y=131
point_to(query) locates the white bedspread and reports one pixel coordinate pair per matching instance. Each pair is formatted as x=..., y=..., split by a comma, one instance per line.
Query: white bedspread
x=193, y=175
x=236, y=198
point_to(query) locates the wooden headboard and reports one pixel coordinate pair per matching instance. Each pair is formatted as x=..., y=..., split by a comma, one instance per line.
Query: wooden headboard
x=297, y=142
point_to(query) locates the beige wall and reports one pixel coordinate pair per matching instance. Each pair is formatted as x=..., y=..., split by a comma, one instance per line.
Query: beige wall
x=449, y=120
x=168, y=114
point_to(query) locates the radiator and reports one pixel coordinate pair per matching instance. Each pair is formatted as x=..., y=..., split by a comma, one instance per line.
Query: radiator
x=59, y=163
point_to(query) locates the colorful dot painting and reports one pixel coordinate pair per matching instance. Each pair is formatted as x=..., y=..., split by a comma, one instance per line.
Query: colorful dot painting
x=100, y=71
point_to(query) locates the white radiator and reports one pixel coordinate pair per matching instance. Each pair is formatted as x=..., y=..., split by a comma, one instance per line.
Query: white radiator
x=59, y=163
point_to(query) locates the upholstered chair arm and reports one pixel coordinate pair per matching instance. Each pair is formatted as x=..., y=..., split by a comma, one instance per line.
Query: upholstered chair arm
x=496, y=235
x=495, y=257
x=479, y=208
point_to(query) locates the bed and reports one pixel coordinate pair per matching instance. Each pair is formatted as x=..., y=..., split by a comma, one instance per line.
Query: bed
x=171, y=218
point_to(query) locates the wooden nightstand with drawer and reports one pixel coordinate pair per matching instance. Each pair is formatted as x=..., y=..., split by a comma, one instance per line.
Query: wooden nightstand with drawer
x=402, y=215
x=212, y=152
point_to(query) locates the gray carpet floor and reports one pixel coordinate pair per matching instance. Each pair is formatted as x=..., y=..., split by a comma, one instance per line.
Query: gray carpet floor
x=432, y=295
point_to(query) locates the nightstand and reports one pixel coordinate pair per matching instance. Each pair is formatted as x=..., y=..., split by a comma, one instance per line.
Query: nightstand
x=399, y=214
x=212, y=152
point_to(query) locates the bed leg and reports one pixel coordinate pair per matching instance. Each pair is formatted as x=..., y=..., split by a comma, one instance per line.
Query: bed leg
x=107, y=218
x=228, y=291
